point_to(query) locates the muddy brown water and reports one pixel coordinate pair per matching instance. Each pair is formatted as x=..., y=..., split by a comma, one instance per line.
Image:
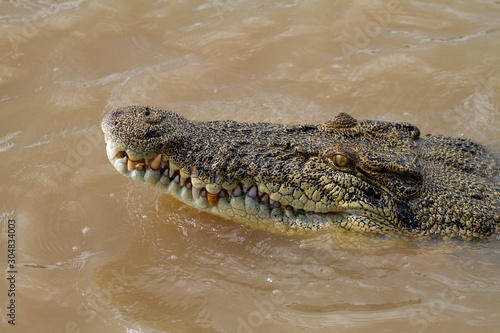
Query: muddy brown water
x=96, y=252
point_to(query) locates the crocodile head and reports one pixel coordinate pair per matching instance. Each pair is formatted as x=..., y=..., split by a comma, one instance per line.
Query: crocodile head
x=368, y=176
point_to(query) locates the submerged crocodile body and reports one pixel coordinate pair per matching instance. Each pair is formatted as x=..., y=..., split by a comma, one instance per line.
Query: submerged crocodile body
x=368, y=176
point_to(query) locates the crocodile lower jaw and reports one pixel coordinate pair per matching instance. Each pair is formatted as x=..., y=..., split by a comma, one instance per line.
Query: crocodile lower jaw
x=242, y=202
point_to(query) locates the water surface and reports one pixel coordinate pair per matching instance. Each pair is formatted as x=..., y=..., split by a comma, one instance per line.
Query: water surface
x=97, y=252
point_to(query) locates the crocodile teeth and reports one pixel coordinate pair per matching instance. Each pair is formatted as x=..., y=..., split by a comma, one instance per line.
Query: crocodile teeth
x=252, y=192
x=195, y=192
x=212, y=198
x=211, y=191
x=156, y=162
x=130, y=165
x=237, y=191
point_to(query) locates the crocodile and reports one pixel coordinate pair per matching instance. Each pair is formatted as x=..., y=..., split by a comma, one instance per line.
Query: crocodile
x=345, y=174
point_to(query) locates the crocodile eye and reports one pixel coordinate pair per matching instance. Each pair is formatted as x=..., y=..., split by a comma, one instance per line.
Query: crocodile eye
x=341, y=161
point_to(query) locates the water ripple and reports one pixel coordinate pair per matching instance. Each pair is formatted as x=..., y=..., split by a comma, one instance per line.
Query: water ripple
x=4, y=142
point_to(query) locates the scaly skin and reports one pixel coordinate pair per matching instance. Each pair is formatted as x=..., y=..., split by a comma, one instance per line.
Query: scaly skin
x=368, y=176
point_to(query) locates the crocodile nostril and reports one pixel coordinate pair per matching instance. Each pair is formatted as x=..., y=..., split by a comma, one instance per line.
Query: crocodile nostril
x=143, y=111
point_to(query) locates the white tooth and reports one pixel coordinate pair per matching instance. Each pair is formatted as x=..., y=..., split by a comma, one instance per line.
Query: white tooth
x=124, y=160
x=156, y=162
x=252, y=193
x=196, y=192
x=163, y=165
x=271, y=201
x=171, y=173
x=237, y=191
x=176, y=179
